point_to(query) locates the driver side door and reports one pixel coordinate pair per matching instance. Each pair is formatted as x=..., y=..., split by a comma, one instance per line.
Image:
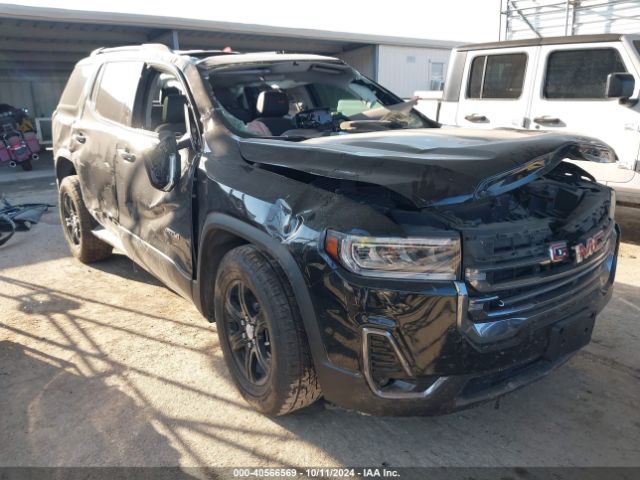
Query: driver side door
x=157, y=218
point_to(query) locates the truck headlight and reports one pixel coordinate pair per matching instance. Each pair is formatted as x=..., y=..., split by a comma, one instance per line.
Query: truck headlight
x=432, y=258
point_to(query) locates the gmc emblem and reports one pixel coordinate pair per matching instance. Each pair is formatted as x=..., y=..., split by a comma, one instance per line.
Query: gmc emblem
x=558, y=251
x=589, y=247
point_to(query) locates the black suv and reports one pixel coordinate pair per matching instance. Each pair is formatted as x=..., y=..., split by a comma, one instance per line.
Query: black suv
x=345, y=245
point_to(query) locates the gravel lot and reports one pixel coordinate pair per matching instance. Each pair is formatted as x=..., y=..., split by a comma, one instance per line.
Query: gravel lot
x=101, y=365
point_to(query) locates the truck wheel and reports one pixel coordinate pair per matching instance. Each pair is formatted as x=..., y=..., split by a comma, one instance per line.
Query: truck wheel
x=26, y=165
x=77, y=223
x=261, y=333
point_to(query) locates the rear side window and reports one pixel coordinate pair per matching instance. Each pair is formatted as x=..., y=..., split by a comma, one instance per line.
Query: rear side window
x=72, y=93
x=636, y=43
x=581, y=73
x=116, y=92
x=497, y=76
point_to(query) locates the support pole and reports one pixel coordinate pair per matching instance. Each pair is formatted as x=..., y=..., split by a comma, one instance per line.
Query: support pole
x=175, y=43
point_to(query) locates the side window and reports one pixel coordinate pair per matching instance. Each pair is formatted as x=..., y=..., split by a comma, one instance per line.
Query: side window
x=581, y=73
x=497, y=76
x=474, y=89
x=72, y=93
x=117, y=90
x=161, y=102
x=436, y=76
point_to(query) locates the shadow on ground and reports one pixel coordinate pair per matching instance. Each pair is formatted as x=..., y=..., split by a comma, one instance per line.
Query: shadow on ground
x=69, y=395
x=122, y=266
x=92, y=423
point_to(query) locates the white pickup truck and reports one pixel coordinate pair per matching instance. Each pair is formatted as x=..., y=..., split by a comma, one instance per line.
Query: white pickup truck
x=586, y=84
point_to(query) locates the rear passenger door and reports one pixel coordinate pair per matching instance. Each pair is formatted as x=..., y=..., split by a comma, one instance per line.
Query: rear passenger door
x=570, y=97
x=498, y=88
x=106, y=118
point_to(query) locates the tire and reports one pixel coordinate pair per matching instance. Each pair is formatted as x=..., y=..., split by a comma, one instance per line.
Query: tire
x=289, y=381
x=26, y=165
x=77, y=224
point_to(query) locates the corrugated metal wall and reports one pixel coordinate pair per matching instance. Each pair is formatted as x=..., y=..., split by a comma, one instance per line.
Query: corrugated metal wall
x=362, y=59
x=403, y=70
x=37, y=92
x=551, y=18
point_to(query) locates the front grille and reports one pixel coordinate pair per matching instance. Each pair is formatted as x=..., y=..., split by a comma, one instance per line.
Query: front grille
x=528, y=286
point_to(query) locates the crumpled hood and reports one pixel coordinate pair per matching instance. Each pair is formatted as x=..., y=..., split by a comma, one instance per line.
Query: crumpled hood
x=427, y=166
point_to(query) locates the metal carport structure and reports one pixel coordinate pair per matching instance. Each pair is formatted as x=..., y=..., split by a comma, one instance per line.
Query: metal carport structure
x=38, y=46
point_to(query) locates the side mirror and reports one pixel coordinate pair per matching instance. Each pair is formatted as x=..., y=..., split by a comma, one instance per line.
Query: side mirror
x=163, y=163
x=620, y=85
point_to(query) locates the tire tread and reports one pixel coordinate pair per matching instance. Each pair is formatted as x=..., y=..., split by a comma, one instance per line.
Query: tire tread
x=91, y=248
x=303, y=387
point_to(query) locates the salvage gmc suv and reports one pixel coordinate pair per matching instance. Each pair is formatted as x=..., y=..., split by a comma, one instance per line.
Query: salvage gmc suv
x=345, y=245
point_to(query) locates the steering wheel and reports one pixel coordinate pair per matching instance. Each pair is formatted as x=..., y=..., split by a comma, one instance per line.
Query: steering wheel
x=315, y=118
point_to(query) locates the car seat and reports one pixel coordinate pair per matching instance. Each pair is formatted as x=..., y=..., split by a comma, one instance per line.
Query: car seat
x=272, y=106
x=173, y=114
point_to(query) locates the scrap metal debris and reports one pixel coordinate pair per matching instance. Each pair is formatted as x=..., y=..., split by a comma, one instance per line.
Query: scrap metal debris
x=15, y=218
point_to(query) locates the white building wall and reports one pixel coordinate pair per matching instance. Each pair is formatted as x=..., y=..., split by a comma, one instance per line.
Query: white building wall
x=403, y=70
x=362, y=59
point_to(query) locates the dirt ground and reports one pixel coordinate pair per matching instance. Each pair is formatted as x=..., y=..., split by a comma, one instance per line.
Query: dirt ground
x=101, y=365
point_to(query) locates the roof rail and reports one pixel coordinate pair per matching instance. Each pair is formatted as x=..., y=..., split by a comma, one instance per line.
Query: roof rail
x=151, y=46
x=204, y=53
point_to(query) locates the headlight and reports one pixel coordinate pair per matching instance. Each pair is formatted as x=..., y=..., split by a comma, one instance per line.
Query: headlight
x=433, y=258
x=594, y=152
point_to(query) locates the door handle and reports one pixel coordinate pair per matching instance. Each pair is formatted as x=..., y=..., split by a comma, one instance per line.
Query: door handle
x=547, y=120
x=80, y=138
x=476, y=118
x=125, y=154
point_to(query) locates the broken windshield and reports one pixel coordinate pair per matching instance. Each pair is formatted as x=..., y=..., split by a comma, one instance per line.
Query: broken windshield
x=303, y=99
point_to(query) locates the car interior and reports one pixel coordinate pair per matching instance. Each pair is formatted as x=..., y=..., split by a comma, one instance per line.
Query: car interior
x=162, y=103
x=306, y=99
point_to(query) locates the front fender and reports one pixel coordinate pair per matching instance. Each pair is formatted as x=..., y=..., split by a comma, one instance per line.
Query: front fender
x=216, y=222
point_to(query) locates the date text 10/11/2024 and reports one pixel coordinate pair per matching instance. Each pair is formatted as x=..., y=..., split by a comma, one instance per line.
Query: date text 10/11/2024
x=316, y=473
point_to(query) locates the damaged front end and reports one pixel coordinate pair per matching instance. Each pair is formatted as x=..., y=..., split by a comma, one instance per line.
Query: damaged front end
x=445, y=270
x=427, y=167
x=475, y=293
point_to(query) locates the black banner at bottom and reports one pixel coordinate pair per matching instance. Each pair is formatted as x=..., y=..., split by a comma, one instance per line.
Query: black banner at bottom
x=308, y=473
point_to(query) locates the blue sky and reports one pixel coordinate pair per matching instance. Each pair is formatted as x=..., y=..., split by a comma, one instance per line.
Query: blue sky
x=464, y=20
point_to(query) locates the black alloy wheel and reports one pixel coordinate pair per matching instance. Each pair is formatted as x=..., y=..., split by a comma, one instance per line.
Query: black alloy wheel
x=261, y=333
x=247, y=333
x=71, y=219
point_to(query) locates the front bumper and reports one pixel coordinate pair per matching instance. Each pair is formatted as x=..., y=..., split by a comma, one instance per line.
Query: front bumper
x=420, y=351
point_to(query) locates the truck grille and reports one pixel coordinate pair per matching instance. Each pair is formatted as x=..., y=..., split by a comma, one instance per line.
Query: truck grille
x=528, y=286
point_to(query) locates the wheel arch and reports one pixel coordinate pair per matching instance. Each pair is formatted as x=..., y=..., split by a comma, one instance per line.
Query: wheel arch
x=64, y=168
x=220, y=233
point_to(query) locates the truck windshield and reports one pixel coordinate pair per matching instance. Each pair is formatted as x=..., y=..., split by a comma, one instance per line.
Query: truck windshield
x=306, y=99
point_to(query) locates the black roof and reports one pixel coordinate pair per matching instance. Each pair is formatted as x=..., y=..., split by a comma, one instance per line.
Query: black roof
x=532, y=42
